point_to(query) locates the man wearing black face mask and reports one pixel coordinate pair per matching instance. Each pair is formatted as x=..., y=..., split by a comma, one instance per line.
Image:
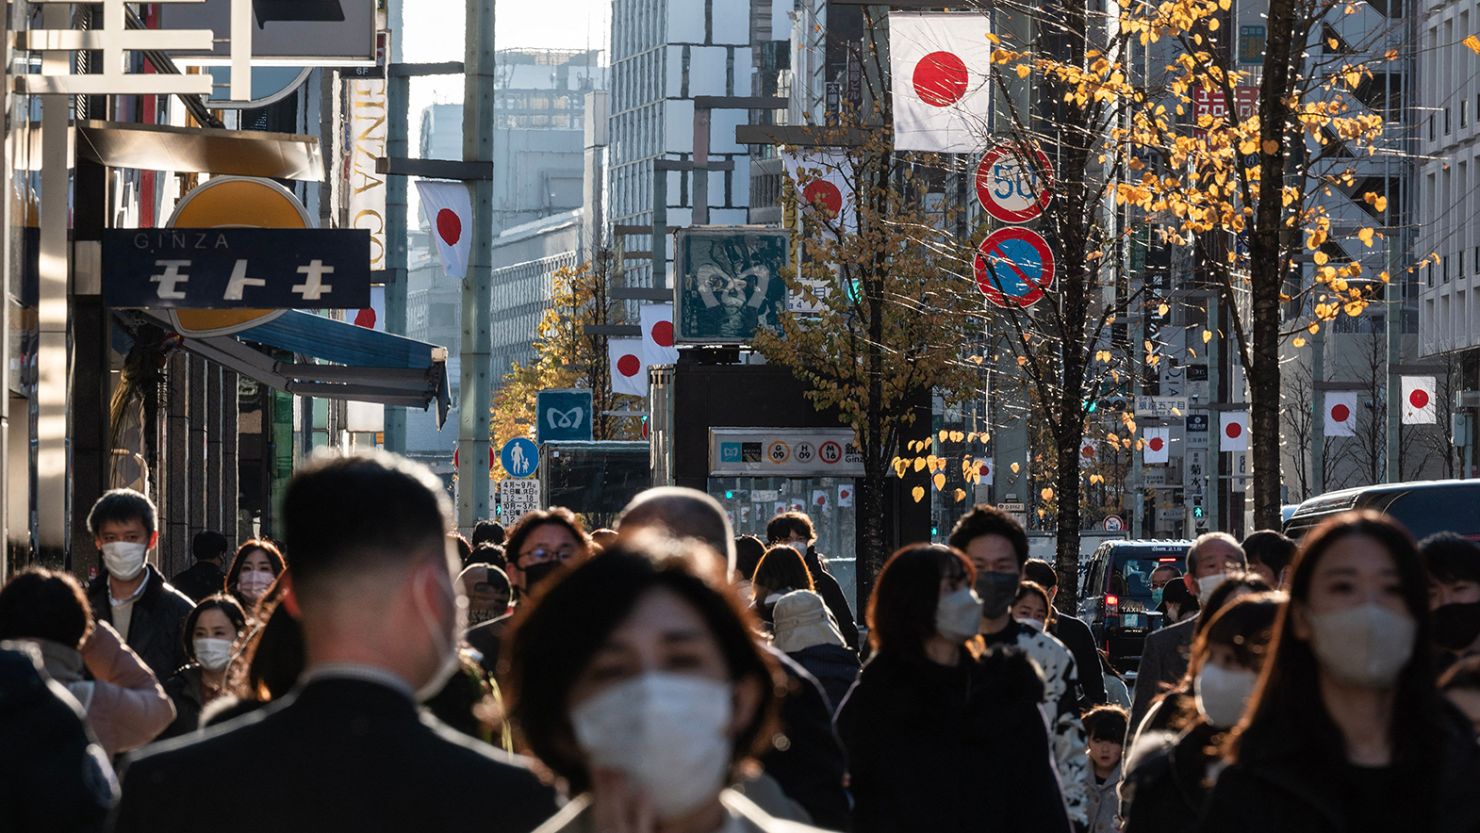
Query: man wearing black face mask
x=1454, y=594
x=998, y=547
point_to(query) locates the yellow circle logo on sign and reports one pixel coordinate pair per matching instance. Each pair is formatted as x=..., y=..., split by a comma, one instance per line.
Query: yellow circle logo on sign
x=234, y=202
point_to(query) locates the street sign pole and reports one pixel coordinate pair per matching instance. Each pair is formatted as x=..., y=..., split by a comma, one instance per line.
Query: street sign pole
x=475, y=391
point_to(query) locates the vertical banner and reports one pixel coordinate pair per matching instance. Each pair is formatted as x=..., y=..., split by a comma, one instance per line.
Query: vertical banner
x=364, y=191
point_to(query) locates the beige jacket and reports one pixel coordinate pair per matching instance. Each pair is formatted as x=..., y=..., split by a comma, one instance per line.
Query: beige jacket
x=744, y=817
x=126, y=706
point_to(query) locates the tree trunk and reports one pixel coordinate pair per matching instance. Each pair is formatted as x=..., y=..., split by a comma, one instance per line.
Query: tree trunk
x=1066, y=560
x=870, y=538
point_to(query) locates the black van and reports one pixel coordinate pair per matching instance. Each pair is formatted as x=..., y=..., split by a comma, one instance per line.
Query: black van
x=1424, y=507
x=1115, y=594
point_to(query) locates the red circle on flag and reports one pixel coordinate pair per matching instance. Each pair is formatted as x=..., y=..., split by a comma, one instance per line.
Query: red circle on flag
x=1157, y=443
x=365, y=318
x=1340, y=413
x=1233, y=430
x=825, y=195
x=663, y=333
x=940, y=79
x=1419, y=398
x=1087, y=452
x=449, y=227
x=628, y=365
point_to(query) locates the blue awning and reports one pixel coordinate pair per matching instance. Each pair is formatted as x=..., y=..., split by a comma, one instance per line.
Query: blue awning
x=334, y=360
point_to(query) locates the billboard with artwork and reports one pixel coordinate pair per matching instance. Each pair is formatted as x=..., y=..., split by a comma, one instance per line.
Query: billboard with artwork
x=729, y=282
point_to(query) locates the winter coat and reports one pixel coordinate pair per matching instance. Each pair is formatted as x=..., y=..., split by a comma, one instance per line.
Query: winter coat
x=187, y=693
x=805, y=757
x=832, y=593
x=1104, y=805
x=1080, y=641
x=1303, y=794
x=200, y=580
x=1167, y=779
x=835, y=667
x=742, y=816
x=1163, y=664
x=158, y=617
x=125, y=705
x=950, y=749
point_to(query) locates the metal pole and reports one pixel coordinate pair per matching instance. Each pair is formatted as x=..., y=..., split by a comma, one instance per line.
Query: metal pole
x=701, y=158
x=475, y=393
x=660, y=226
x=398, y=100
x=1318, y=414
x=1211, y=495
x=50, y=534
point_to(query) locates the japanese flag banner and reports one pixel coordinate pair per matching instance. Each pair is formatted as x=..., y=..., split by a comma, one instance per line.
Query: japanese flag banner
x=824, y=183
x=1233, y=433
x=1418, y=400
x=448, y=209
x=1341, y=413
x=657, y=334
x=629, y=368
x=1088, y=451
x=938, y=66
x=1156, y=445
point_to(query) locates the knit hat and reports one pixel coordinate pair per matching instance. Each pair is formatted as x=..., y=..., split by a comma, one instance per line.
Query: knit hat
x=802, y=620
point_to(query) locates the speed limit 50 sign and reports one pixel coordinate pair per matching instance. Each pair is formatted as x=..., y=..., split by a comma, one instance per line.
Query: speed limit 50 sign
x=1014, y=183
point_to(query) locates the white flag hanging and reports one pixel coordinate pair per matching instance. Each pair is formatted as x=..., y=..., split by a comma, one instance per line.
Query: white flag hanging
x=1341, y=413
x=824, y=183
x=1233, y=431
x=657, y=333
x=1088, y=450
x=939, y=65
x=628, y=366
x=448, y=209
x=1156, y=445
x=1418, y=400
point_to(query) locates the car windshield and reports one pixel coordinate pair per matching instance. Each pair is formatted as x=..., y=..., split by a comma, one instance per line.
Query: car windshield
x=1132, y=576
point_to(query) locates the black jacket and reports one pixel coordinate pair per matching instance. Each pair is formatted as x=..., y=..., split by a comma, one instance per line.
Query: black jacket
x=835, y=667
x=1163, y=664
x=832, y=595
x=154, y=629
x=1299, y=795
x=53, y=776
x=184, y=689
x=1080, y=641
x=807, y=758
x=202, y=579
x=487, y=638
x=950, y=750
x=1168, y=778
x=339, y=754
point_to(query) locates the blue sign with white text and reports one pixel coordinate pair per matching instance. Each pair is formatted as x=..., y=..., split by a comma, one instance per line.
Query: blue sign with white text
x=563, y=415
x=520, y=457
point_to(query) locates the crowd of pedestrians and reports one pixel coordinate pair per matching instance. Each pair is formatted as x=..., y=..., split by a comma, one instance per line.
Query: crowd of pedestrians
x=372, y=670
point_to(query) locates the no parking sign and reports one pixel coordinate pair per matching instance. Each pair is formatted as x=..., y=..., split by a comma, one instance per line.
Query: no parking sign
x=1014, y=267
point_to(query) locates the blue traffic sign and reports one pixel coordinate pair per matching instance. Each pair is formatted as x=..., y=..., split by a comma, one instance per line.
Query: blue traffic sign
x=563, y=415
x=1014, y=267
x=520, y=457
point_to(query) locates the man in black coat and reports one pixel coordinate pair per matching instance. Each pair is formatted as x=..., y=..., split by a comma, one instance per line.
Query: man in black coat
x=130, y=594
x=372, y=586
x=794, y=529
x=207, y=576
x=1075, y=635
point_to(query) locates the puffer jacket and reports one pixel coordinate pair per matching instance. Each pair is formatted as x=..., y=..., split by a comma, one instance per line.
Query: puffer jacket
x=834, y=666
x=125, y=705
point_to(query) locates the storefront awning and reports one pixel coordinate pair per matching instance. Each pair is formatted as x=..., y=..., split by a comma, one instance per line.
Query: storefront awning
x=333, y=360
x=161, y=147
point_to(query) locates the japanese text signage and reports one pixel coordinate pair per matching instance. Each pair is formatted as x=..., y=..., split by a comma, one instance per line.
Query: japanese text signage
x=517, y=498
x=784, y=452
x=223, y=268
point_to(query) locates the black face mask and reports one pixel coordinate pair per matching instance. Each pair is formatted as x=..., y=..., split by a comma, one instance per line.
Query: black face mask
x=997, y=591
x=538, y=573
x=1457, y=626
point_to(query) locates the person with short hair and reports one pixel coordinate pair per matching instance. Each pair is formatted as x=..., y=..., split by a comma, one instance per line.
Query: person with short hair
x=130, y=593
x=795, y=529
x=493, y=555
x=938, y=738
x=1346, y=729
x=1453, y=564
x=1072, y=631
x=542, y=545
x=373, y=588
x=124, y=704
x=257, y=564
x=748, y=552
x=488, y=532
x=461, y=547
x=1164, y=654
x=1269, y=553
x=781, y=570
x=603, y=537
x=1461, y=687
x=998, y=548
x=207, y=575
x=214, y=631
x=1105, y=728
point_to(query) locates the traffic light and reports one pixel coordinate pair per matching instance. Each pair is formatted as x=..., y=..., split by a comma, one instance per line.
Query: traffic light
x=1197, y=508
x=729, y=494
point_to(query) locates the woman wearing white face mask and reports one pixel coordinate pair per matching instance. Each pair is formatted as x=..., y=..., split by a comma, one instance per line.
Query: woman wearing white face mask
x=637, y=680
x=255, y=567
x=212, y=636
x=1346, y=731
x=1168, y=769
x=939, y=739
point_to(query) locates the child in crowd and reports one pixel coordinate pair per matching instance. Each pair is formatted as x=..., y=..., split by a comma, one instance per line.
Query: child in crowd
x=1105, y=726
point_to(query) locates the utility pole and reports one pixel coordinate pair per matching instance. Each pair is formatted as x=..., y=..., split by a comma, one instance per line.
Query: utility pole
x=1318, y=413
x=398, y=100
x=475, y=391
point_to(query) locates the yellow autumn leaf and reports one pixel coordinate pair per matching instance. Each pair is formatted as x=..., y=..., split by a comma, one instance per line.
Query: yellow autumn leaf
x=1015, y=468
x=1365, y=235
x=1207, y=336
x=1023, y=70
x=1298, y=341
x=1473, y=43
x=900, y=467
x=1271, y=147
x=918, y=493
x=1321, y=258
x=1314, y=328
x=1046, y=494
x=960, y=495
x=944, y=435
x=1163, y=309
x=957, y=436
x=940, y=481
x=919, y=464
x=1380, y=203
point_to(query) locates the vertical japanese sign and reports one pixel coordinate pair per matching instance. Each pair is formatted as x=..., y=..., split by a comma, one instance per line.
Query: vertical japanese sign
x=365, y=191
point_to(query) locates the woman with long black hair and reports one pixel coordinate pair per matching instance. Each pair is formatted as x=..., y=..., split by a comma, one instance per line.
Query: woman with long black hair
x=1347, y=731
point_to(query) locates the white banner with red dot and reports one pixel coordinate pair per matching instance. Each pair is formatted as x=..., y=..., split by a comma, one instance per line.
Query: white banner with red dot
x=1156, y=445
x=657, y=333
x=448, y=209
x=1233, y=431
x=1418, y=401
x=628, y=366
x=824, y=183
x=1341, y=413
x=939, y=64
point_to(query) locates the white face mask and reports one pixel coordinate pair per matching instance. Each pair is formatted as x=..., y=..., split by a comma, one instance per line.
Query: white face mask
x=124, y=560
x=1035, y=624
x=213, y=654
x=254, y=584
x=668, y=733
x=1207, y=584
x=1222, y=693
x=1363, y=646
x=958, y=615
x=445, y=639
